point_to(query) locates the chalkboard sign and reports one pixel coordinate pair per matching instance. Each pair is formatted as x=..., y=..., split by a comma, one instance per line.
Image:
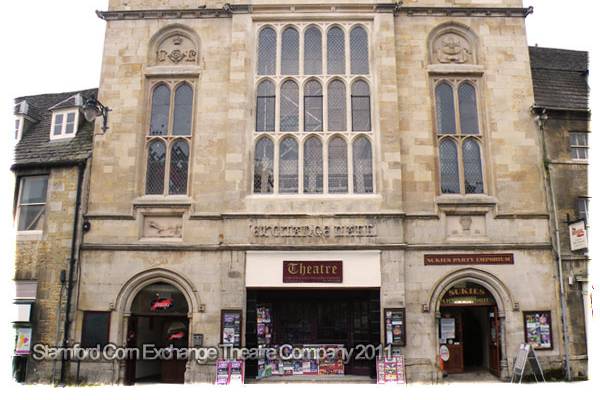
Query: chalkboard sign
x=526, y=355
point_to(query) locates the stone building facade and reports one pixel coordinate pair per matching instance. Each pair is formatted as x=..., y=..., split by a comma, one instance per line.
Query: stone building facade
x=561, y=95
x=52, y=149
x=394, y=141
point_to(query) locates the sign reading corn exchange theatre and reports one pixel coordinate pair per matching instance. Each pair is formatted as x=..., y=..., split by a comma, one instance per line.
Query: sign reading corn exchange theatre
x=313, y=271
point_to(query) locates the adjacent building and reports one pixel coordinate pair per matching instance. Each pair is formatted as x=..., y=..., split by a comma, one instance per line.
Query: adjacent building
x=52, y=151
x=561, y=107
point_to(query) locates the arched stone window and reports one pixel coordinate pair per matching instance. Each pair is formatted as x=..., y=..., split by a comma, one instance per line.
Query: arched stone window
x=267, y=52
x=313, y=166
x=449, y=167
x=336, y=106
x=155, y=170
x=362, y=160
x=178, y=169
x=182, y=116
x=313, y=106
x=359, y=51
x=288, y=107
x=265, y=107
x=444, y=98
x=467, y=99
x=313, y=51
x=290, y=43
x=337, y=165
x=336, y=51
x=161, y=103
x=361, y=106
x=288, y=165
x=263, y=166
x=472, y=166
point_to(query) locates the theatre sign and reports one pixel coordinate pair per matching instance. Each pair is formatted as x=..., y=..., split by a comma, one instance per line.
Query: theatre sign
x=313, y=271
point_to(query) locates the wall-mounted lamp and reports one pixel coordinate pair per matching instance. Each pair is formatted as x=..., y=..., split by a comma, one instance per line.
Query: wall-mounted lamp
x=92, y=108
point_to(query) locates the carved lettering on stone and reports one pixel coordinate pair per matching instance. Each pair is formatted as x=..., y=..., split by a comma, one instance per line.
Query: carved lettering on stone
x=452, y=48
x=177, y=49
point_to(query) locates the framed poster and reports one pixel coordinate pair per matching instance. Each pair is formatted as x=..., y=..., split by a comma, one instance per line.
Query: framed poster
x=538, y=329
x=231, y=327
x=23, y=342
x=395, y=326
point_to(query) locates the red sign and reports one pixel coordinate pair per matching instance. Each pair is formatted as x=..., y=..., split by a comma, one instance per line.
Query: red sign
x=467, y=259
x=312, y=272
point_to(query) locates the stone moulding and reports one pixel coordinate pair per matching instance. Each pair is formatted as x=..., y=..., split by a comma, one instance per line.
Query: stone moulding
x=229, y=9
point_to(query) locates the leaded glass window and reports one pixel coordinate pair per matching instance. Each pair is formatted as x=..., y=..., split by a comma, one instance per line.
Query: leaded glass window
x=182, y=116
x=288, y=108
x=336, y=106
x=361, y=107
x=290, y=43
x=337, y=166
x=155, y=170
x=265, y=107
x=469, y=123
x=263, y=166
x=167, y=158
x=267, y=52
x=313, y=166
x=178, y=174
x=313, y=51
x=313, y=106
x=336, y=56
x=362, y=165
x=161, y=100
x=472, y=167
x=444, y=98
x=461, y=164
x=359, y=51
x=288, y=165
x=449, y=167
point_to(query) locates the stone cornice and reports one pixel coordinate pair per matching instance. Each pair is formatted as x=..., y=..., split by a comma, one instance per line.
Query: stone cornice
x=396, y=8
x=170, y=246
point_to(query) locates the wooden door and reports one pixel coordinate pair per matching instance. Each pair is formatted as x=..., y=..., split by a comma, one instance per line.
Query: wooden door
x=173, y=371
x=131, y=343
x=494, y=341
x=455, y=363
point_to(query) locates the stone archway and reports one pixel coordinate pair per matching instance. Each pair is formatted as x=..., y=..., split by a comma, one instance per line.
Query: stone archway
x=501, y=294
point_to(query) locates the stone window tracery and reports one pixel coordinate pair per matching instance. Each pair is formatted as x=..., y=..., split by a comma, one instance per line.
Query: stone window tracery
x=313, y=104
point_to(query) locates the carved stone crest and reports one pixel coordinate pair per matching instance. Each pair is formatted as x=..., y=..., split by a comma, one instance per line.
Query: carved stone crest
x=177, y=49
x=452, y=48
x=162, y=227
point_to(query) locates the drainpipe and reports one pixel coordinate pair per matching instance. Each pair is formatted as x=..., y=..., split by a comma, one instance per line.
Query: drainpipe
x=540, y=118
x=72, y=264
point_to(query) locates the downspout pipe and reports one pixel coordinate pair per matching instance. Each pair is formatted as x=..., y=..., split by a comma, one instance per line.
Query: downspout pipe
x=72, y=264
x=541, y=116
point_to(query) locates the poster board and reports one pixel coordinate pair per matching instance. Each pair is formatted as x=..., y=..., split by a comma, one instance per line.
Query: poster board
x=23, y=343
x=391, y=370
x=231, y=327
x=578, y=235
x=229, y=372
x=447, y=329
x=395, y=326
x=538, y=329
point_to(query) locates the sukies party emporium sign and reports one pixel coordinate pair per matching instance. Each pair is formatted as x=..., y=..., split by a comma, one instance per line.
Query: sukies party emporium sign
x=313, y=272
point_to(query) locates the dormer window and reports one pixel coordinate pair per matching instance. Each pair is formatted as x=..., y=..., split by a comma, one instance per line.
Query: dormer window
x=64, y=124
x=18, y=128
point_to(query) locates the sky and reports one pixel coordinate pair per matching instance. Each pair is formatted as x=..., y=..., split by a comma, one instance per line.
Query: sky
x=55, y=46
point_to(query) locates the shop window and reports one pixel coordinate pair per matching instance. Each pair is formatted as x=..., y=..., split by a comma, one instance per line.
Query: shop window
x=459, y=144
x=95, y=331
x=579, y=145
x=302, y=87
x=169, y=138
x=32, y=203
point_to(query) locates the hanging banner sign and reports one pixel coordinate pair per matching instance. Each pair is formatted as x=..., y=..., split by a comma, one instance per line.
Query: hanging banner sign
x=469, y=259
x=23, y=345
x=313, y=271
x=578, y=235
